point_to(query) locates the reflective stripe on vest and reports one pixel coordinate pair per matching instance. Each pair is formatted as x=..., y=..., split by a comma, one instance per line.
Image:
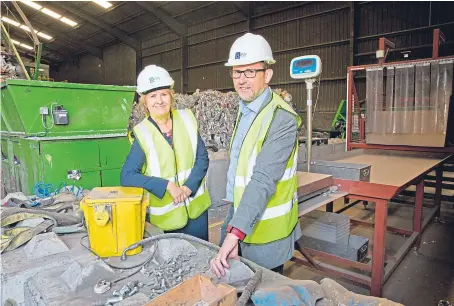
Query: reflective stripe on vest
x=163, y=161
x=281, y=214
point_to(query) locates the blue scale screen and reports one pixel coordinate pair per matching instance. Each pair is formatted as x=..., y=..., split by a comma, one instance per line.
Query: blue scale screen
x=306, y=65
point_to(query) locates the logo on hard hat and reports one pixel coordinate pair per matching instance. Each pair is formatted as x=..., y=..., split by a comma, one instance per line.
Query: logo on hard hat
x=153, y=79
x=238, y=55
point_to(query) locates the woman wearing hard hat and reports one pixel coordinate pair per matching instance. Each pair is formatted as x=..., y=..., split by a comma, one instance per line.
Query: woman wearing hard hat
x=168, y=159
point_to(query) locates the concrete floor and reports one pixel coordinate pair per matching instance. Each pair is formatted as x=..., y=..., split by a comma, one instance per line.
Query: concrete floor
x=422, y=279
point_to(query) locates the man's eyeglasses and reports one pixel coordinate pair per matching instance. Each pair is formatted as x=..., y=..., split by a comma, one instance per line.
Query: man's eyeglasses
x=250, y=73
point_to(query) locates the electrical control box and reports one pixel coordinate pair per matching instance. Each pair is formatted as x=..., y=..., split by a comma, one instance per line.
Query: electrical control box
x=305, y=67
x=43, y=110
x=60, y=115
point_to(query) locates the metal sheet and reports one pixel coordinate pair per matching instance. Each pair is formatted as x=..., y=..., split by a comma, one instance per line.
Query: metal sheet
x=394, y=170
x=346, y=171
x=319, y=201
x=93, y=109
x=356, y=249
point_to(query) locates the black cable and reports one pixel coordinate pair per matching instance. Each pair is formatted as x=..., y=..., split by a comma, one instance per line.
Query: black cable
x=117, y=267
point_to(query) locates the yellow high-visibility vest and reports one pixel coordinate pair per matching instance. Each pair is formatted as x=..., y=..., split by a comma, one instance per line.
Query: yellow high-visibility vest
x=281, y=213
x=174, y=165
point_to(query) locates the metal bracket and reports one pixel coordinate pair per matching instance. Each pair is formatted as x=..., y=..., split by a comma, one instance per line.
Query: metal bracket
x=383, y=47
x=102, y=286
x=74, y=175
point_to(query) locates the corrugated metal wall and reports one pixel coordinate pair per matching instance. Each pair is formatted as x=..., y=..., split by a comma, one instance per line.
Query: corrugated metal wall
x=341, y=33
x=291, y=28
x=118, y=67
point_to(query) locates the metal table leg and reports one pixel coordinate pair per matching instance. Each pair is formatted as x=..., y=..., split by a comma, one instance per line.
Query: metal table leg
x=417, y=216
x=438, y=188
x=378, y=252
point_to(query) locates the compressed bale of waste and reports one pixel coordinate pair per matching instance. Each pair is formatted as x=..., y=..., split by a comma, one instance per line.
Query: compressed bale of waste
x=215, y=111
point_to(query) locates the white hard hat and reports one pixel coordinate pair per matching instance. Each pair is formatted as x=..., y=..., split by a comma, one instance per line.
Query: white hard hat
x=153, y=78
x=249, y=49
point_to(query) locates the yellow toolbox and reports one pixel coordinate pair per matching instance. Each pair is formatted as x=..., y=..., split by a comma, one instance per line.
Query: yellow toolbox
x=115, y=219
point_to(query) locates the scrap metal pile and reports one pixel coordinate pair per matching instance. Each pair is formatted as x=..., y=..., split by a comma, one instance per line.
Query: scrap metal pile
x=22, y=217
x=215, y=111
x=10, y=69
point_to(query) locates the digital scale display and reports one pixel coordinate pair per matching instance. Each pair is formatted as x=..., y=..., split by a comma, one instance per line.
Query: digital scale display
x=305, y=67
x=304, y=63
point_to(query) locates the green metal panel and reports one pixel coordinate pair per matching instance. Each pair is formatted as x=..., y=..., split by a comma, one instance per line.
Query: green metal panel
x=6, y=175
x=110, y=177
x=3, y=128
x=112, y=155
x=6, y=165
x=58, y=158
x=30, y=163
x=93, y=142
x=4, y=147
x=14, y=169
x=112, y=152
x=11, y=121
x=92, y=109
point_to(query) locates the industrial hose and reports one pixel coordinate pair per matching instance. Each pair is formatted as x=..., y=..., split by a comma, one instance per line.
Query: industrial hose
x=251, y=285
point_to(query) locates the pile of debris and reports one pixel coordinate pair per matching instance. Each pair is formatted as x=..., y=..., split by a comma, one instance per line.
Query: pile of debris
x=10, y=69
x=22, y=217
x=215, y=111
x=169, y=274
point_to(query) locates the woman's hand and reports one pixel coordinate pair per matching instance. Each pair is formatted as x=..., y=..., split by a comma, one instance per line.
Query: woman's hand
x=176, y=192
x=186, y=190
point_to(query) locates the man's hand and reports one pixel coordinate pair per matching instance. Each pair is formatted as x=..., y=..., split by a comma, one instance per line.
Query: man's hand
x=176, y=192
x=229, y=250
x=186, y=190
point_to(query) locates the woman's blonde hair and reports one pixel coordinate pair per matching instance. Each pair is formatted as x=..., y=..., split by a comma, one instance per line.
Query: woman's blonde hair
x=143, y=107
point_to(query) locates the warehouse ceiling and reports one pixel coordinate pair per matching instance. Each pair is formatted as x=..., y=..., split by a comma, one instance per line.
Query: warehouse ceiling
x=72, y=28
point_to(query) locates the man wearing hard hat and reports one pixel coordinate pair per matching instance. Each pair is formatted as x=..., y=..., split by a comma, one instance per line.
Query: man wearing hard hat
x=168, y=143
x=261, y=224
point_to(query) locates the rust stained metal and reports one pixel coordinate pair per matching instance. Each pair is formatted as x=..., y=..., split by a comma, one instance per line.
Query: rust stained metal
x=339, y=260
x=330, y=270
x=396, y=230
x=378, y=252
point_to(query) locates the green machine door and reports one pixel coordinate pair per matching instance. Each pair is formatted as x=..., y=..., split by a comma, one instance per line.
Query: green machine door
x=112, y=155
x=79, y=156
x=95, y=162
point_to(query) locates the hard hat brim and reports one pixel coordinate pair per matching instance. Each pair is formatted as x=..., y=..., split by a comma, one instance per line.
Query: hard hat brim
x=154, y=89
x=231, y=64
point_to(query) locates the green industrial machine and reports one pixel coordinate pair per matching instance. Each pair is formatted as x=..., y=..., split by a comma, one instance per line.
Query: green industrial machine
x=339, y=121
x=67, y=133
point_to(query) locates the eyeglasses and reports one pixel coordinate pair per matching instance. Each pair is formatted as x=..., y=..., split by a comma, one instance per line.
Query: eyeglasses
x=250, y=73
